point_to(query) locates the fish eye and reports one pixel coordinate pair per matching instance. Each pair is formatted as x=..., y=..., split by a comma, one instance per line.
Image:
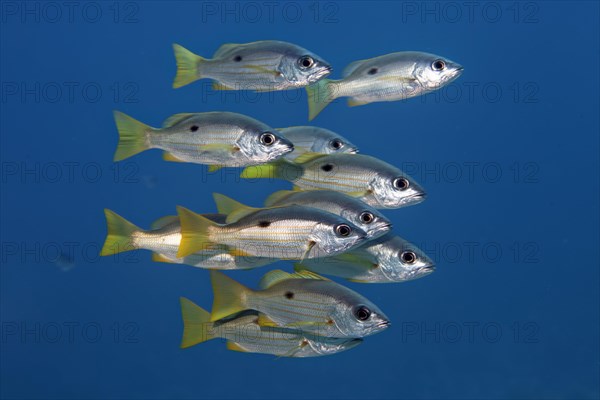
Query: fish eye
x=343, y=230
x=438, y=65
x=306, y=61
x=362, y=313
x=366, y=217
x=336, y=144
x=408, y=257
x=267, y=139
x=401, y=183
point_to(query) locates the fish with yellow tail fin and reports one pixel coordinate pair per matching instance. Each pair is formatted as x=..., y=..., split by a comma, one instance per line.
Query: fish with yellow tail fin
x=260, y=66
x=386, y=259
x=243, y=333
x=367, y=178
x=287, y=233
x=312, y=139
x=390, y=77
x=303, y=301
x=218, y=139
x=164, y=239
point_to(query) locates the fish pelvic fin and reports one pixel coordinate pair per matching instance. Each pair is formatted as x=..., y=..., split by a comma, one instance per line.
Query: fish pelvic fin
x=233, y=209
x=119, y=234
x=319, y=95
x=196, y=324
x=133, y=136
x=229, y=296
x=194, y=232
x=187, y=66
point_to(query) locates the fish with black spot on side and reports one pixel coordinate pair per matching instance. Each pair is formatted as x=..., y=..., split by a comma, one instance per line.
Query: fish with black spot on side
x=367, y=178
x=387, y=259
x=267, y=65
x=391, y=77
x=219, y=139
x=243, y=333
x=287, y=233
x=303, y=301
x=163, y=240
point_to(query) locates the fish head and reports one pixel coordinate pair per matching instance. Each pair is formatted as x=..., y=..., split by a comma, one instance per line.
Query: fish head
x=323, y=346
x=263, y=145
x=336, y=236
x=333, y=144
x=302, y=68
x=373, y=222
x=433, y=71
x=400, y=260
x=355, y=316
x=395, y=189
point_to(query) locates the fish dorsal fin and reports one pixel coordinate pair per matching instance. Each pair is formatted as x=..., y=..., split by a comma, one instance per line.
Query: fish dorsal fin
x=308, y=156
x=273, y=277
x=350, y=68
x=224, y=49
x=164, y=221
x=233, y=209
x=277, y=197
x=175, y=119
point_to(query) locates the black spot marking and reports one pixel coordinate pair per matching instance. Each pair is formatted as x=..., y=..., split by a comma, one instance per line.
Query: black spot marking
x=264, y=224
x=329, y=321
x=289, y=295
x=372, y=71
x=327, y=167
x=237, y=58
x=194, y=128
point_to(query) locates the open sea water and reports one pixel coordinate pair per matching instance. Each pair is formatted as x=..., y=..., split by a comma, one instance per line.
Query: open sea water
x=508, y=154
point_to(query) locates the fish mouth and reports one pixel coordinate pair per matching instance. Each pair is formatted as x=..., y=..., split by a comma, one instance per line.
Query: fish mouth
x=379, y=230
x=414, y=199
x=383, y=324
x=353, y=150
x=427, y=270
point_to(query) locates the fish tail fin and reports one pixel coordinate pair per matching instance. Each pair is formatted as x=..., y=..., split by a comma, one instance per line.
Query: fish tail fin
x=280, y=169
x=133, y=136
x=194, y=232
x=187, y=66
x=229, y=296
x=196, y=324
x=119, y=234
x=319, y=95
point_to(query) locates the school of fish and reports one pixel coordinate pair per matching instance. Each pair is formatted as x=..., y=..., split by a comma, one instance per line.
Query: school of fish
x=329, y=223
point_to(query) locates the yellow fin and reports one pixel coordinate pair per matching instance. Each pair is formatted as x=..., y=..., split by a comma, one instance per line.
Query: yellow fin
x=264, y=320
x=263, y=70
x=132, y=136
x=233, y=209
x=175, y=119
x=196, y=324
x=187, y=66
x=276, y=197
x=217, y=147
x=194, y=232
x=355, y=259
x=297, y=189
x=119, y=234
x=220, y=86
x=229, y=296
x=239, y=253
x=268, y=171
x=308, y=156
x=213, y=168
x=170, y=157
x=160, y=258
x=354, y=103
x=164, y=221
x=358, y=193
x=235, y=347
x=319, y=95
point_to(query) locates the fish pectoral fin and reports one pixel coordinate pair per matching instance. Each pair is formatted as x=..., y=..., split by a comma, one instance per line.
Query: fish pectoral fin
x=264, y=320
x=263, y=70
x=170, y=157
x=161, y=258
x=218, y=147
x=310, y=246
x=239, y=253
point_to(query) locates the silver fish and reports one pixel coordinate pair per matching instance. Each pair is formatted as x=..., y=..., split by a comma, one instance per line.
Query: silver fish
x=315, y=140
x=369, y=179
x=243, y=333
x=390, y=77
x=261, y=66
x=287, y=233
x=219, y=139
x=303, y=301
x=386, y=259
x=163, y=240
x=373, y=222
